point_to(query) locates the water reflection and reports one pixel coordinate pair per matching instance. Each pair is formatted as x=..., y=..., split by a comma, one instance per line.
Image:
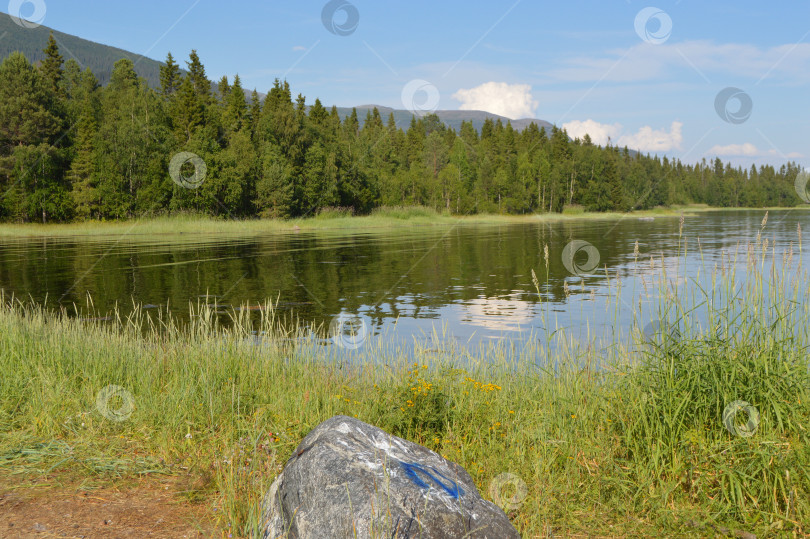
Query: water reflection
x=474, y=281
x=498, y=314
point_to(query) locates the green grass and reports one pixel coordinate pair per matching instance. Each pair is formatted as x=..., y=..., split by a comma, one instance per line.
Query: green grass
x=339, y=219
x=626, y=439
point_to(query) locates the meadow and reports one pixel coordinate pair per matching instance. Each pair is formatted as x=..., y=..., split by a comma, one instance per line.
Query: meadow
x=697, y=426
x=338, y=219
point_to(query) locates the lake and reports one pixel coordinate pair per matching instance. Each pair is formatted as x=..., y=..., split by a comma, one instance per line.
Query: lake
x=470, y=282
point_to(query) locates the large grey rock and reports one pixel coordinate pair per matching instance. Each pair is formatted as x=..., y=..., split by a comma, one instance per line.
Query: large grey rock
x=350, y=479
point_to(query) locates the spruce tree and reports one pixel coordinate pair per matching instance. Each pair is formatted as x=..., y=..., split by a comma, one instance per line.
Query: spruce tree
x=318, y=114
x=82, y=174
x=274, y=188
x=169, y=77
x=187, y=112
x=237, y=108
x=255, y=113
x=27, y=113
x=51, y=67
x=82, y=171
x=223, y=89
x=196, y=75
x=31, y=166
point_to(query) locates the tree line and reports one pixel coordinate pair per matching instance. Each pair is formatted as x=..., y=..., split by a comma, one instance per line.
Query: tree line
x=73, y=150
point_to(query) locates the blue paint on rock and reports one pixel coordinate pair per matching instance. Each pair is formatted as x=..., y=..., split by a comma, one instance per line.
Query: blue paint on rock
x=413, y=471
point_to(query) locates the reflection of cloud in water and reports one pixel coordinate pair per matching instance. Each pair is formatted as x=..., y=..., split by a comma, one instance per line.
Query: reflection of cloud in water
x=498, y=314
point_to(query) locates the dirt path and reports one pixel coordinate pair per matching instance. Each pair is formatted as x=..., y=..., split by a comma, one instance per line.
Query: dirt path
x=149, y=508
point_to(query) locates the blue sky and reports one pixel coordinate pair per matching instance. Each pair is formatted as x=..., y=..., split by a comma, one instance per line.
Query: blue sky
x=583, y=65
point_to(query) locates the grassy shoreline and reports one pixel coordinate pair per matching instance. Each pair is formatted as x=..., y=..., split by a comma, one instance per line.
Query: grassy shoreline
x=385, y=218
x=635, y=439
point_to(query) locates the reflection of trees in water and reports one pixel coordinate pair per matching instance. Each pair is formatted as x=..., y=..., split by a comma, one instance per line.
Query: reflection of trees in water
x=383, y=275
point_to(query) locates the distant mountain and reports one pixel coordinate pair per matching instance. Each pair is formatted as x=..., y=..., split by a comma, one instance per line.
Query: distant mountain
x=452, y=118
x=99, y=58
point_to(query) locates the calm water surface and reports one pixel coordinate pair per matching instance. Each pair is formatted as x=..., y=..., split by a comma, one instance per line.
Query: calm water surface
x=471, y=282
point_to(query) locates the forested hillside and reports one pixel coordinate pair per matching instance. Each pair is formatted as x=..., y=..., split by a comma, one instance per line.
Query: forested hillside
x=70, y=149
x=95, y=56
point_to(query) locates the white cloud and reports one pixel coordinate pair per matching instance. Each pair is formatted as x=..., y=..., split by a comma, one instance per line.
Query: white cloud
x=511, y=100
x=645, y=139
x=746, y=149
x=599, y=133
x=648, y=139
x=299, y=48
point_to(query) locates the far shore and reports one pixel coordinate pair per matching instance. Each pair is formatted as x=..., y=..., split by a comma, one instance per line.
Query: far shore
x=384, y=218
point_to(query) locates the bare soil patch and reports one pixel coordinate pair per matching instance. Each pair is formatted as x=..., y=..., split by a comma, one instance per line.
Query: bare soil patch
x=143, y=508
